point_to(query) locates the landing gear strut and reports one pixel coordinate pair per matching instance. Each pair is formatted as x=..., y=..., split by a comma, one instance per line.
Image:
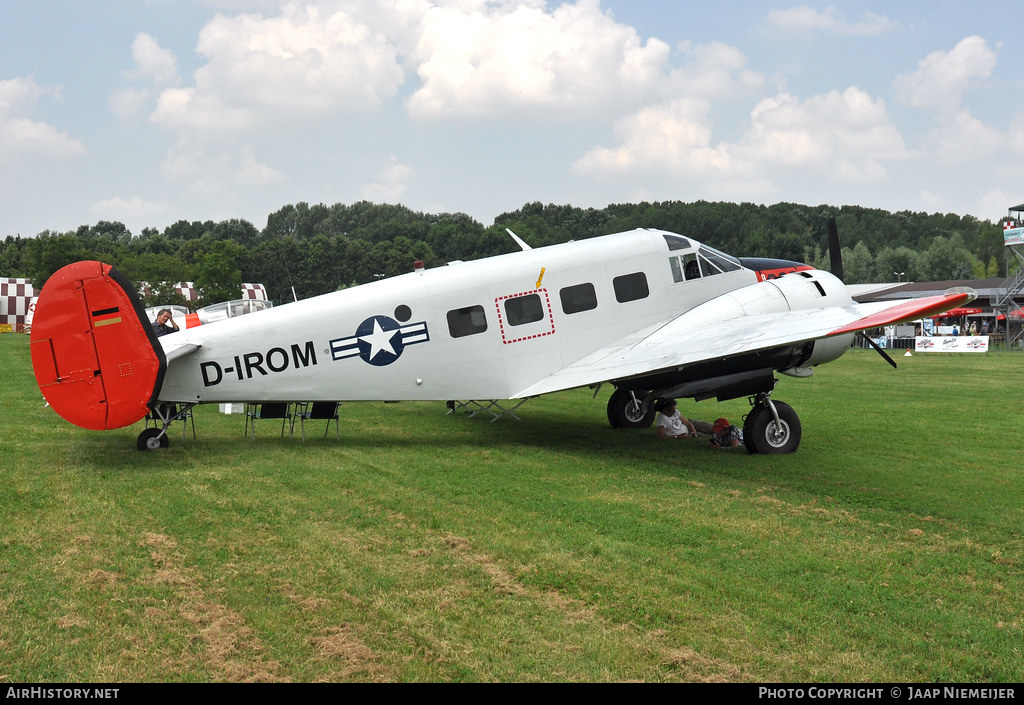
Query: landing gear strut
x=162, y=415
x=152, y=439
x=771, y=427
x=626, y=410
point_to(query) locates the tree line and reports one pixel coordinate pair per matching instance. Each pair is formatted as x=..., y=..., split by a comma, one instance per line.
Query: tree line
x=315, y=249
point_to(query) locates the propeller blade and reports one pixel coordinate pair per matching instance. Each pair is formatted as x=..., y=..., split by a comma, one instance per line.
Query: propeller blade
x=834, y=250
x=885, y=355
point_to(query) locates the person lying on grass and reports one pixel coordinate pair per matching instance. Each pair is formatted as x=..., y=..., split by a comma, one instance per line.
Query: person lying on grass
x=671, y=425
x=726, y=435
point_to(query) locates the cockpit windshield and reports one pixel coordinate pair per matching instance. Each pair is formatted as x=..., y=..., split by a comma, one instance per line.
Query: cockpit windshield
x=705, y=262
x=715, y=262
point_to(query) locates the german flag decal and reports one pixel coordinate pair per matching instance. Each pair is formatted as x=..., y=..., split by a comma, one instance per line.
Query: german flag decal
x=106, y=317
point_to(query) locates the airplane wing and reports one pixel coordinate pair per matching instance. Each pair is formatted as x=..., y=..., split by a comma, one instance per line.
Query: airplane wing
x=703, y=335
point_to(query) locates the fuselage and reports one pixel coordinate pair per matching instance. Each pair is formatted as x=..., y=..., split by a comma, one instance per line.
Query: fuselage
x=485, y=329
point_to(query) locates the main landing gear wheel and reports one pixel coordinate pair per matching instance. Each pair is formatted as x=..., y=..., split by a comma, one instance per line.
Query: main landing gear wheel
x=763, y=434
x=152, y=439
x=625, y=410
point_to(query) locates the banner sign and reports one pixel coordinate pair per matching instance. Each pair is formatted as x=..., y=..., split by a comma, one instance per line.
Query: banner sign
x=952, y=344
x=1013, y=236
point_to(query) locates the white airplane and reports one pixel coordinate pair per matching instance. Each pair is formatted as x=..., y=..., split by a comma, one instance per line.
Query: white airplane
x=653, y=313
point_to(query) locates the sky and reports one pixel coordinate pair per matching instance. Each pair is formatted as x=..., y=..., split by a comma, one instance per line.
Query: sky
x=152, y=111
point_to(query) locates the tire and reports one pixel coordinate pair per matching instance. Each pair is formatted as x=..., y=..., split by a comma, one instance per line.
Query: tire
x=151, y=439
x=760, y=434
x=623, y=412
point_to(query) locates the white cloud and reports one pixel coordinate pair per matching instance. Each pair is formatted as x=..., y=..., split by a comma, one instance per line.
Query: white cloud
x=961, y=137
x=1006, y=162
x=391, y=184
x=129, y=209
x=942, y=77
x=715, y=70
x=252, y=172
x=846, y=136
x=673, y=138
x=152, y=62
x=189, y=110
x=1016, y=139
x=478, y=59
x=18, y=92
x=302, y=64
x=22, y=136
x=126, y=102
x=213, y=172
x=939, y=85
x=995, y=203
x=804, y=19
x=154, y=67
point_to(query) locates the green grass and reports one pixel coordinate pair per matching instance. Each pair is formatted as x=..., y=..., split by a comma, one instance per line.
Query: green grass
x=432, y=547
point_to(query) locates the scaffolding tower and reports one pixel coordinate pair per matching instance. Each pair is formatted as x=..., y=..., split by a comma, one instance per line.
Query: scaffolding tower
x=1013, y=287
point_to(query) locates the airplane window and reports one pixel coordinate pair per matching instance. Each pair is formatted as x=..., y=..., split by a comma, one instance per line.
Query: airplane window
x=677, y=269
x=631, y=287
x=467, y=321
x=675, y=242
x=524, y=309
x=403, y=313
x=721, y=261
x=707, y=269
x=691, y=267
x=580, y=297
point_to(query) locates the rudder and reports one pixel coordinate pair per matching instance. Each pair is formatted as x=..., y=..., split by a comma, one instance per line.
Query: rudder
x=95, y=356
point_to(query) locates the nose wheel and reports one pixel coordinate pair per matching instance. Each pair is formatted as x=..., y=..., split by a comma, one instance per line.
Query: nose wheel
x=771, y=427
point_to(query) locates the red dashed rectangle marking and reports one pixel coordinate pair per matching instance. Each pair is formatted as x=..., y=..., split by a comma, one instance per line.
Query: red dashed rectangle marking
x=550, y=318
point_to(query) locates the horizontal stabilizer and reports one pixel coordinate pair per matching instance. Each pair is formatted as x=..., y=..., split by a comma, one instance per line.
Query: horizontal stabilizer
x=174, y=350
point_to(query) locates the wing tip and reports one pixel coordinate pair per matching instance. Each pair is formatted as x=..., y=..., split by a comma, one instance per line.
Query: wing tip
x=911, y=310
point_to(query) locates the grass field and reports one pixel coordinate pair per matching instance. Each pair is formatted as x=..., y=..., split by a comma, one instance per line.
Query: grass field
x=426, y=547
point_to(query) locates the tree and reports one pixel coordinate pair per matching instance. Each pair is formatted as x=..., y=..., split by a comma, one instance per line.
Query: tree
x=240, y=231
x=816, y=258
x=45, y=254
x=184, y=230
x=10, y=257
x=896, y=263
x=217, y=276
x=160, y=272
x=858, y=264
x=453, y=235
x=946, y=258
x=272, y=264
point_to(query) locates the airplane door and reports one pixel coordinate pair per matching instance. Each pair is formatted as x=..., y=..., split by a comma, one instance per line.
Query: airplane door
x=525, y=316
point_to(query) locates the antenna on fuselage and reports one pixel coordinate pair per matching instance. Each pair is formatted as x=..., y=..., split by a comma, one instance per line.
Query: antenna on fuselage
x=518, y=240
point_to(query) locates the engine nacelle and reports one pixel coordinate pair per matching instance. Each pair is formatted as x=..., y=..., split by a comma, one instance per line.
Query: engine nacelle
x=824, y=350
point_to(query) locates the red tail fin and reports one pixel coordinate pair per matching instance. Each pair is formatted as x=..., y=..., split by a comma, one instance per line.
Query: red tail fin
x=95, y=355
